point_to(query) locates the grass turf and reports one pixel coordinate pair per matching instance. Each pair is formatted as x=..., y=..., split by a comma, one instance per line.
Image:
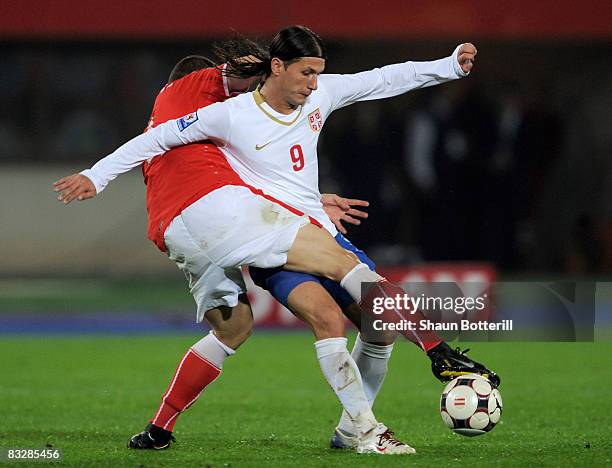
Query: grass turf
x=87, y=395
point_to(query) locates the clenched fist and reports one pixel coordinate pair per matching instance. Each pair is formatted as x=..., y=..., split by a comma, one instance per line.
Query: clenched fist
x=467, y=56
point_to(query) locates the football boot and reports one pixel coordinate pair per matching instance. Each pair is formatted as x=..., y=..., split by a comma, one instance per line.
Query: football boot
x=448, y=363
x=153, y=437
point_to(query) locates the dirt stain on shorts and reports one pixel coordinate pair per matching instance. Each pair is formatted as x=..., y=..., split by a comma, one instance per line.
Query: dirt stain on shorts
x=270, y=214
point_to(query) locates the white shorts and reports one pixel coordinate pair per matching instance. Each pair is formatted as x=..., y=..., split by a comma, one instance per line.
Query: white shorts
x=222, y=231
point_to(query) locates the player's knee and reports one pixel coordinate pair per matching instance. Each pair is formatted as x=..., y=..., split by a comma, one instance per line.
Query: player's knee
x=379, y=338
x=339, y=265
x=235, y=332
x=246, y=332
x=366, y=327
x=235, y=336
x=243, y=332
x=242, y=336
x=371, y=334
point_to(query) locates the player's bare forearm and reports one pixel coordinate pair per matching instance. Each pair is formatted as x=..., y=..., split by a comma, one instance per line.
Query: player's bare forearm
x=340, y=209
x=74, y=187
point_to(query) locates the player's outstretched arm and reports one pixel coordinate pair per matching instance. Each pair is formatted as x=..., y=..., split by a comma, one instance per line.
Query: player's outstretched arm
x=399, y=78
x=211, y=122
x=74, y=187
x=340, y=209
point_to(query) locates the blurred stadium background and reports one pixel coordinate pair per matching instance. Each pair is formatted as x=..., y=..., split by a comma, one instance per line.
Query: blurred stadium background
x=506, y=175
x=510, y=168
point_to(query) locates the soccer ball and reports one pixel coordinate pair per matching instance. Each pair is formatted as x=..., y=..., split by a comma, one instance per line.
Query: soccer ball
x=470, y=405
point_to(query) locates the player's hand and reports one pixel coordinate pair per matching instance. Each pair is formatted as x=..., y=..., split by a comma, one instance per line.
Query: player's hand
x=341, y=209
x=74, y=187
x=467, y=56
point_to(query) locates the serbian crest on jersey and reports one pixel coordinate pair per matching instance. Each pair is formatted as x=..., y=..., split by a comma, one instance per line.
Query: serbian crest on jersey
x=315, y=120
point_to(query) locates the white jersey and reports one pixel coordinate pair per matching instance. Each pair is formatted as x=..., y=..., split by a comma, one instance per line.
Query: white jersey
x=274, y=152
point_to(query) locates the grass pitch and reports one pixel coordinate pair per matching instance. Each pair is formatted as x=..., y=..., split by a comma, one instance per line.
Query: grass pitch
x=87, y=395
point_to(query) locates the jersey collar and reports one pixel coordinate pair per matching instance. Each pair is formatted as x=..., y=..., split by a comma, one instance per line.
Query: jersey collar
x=261, y=104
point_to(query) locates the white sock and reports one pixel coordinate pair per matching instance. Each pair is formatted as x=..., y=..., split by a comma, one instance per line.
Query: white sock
x=213, y=350
x=372, y=362
x=343, y=376
x=353, y=279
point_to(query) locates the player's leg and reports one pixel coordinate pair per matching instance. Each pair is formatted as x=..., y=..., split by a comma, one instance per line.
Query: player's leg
x=198, y=368
x=370, y=352
x=310, y=302
x=203, y=361
x=233, y=226
x=304, y=295
x=307, y=299
x=313, y=304
x=316, y=251
x=372, y=348
x=220, y=295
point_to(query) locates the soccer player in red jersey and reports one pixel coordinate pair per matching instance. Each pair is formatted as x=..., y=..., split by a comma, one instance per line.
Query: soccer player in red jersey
x=173, y=182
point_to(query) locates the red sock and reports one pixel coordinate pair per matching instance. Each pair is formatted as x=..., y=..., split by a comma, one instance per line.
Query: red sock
x=425, y=340
x=192, y=376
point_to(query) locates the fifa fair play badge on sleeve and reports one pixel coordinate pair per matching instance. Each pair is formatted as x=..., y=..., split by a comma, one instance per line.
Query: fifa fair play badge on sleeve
x=186, y=121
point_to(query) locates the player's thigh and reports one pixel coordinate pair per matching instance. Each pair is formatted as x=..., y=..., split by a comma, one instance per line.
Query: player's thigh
x=316, y=251
x=232, y=325
x=280, y=282
x=340, y=295
x=235, y=227
x=310, y=302
x=361, y=255
x=210, y=285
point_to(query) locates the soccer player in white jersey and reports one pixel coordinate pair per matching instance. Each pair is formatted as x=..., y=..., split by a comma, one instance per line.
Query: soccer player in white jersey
x=270, y=139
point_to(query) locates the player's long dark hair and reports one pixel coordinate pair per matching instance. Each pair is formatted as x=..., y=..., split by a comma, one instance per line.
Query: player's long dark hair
x=244, y=58
x=289, y=44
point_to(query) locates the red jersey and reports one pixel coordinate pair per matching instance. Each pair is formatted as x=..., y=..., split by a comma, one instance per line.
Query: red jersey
x=185, y=174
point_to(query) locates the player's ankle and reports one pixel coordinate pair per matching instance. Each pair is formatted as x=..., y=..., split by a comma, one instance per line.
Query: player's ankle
x=158, y=433
x=442, y=346
x=364, y=424
x=346, y=426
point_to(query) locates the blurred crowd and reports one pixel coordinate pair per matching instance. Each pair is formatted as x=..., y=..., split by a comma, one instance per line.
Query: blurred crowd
x=511, y=166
